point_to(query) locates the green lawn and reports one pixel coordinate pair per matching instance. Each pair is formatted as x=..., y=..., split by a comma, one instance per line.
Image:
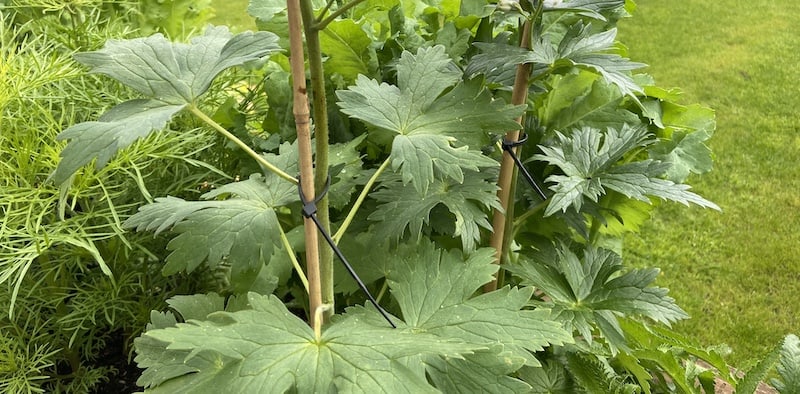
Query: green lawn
x=736, y=272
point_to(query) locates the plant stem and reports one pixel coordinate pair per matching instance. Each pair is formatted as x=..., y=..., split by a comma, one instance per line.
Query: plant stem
x=519, y=96
x=320, y=108
x=303, y=126
x=260, y=159
x=321, y=24
x=360, y=200
x=293, y=258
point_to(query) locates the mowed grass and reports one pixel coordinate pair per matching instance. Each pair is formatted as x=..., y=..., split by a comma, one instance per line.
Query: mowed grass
x=736, y=272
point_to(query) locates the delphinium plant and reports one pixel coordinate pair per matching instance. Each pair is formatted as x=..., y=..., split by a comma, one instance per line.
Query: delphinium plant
x=473, y=166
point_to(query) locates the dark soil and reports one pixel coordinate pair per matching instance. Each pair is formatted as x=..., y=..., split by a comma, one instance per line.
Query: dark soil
x=115, y=355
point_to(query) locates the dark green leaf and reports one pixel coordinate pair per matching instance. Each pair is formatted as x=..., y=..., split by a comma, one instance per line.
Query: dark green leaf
x=590, y=167
x=425, y=123
x=267, y=349
x=116, y=129
x=402, y=207
x=170, y=75
x=583, y=290
x=434, y=290
x=177, y=73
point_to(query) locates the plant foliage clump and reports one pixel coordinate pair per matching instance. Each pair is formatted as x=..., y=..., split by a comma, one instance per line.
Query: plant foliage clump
x=419, y=112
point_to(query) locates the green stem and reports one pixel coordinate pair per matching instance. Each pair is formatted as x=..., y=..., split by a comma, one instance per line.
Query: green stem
x=319, y=108
x=293, y=257
x=382, y=292
x=322, y=24
x=360, y=200
x=260, y=159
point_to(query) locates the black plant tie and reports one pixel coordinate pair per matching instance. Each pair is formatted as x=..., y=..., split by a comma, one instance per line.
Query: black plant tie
x=310, y=211
x=509, y=146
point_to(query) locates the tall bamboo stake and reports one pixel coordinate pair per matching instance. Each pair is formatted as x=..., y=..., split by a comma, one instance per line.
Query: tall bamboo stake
x=519, y=96
x=303, y=125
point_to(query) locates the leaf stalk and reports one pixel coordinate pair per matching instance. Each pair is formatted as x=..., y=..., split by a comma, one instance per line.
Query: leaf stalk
x=360, y=200
x=260, y=159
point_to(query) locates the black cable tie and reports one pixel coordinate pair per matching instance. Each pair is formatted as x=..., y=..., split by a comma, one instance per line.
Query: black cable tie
x=310, y=211
x=310, y=207
x=509, y=146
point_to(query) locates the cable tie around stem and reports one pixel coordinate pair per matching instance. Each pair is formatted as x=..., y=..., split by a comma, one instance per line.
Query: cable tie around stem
x=509, y=146
x=310, y=211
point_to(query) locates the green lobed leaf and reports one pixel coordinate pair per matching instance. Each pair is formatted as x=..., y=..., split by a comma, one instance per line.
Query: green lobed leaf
x=434, y=289
x=118, y=128
x=243, y=231
x=589, y=167
x=483, y=371
x=582, y=290
x=426, y=124
x=682, y=140
x=267, y=349
x=349, y=50
x=403, y=208
x=177, y=73
x=550, y=378
x=265, y=10
x=170, y=75
x=582, y=49
x=789, y=367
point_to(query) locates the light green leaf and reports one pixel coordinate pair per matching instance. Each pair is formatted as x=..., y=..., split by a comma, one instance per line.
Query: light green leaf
x=265, y=10
x=686, y=153
x=403, y=207
x=583, y=99
x=682, y=140
x=590, y=167
x=590, y=8
x=427, y=125
x=349, y=50
x=170, y=75
x=434, y=290
x=267, y=349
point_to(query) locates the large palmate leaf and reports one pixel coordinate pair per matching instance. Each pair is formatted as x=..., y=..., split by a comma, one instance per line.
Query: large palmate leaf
x=170, y=75
x=402, y=207
x=435, y=288
x=589, y=167
x=427, y=121
x=588, y=291
x=266, y=349
x=242, y=230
